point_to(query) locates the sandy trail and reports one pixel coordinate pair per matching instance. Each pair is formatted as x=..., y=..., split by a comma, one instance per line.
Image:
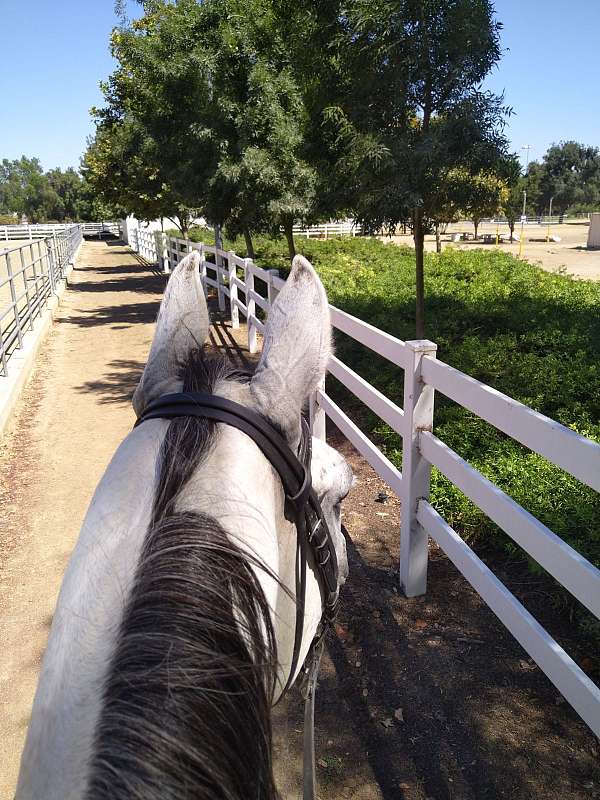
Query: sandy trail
x=71, y=418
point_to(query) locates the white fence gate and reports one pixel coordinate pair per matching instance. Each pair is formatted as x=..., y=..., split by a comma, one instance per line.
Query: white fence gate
x=424, y=374
x=11, y=232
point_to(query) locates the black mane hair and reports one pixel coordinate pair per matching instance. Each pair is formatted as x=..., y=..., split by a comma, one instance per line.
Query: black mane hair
x=186, y=709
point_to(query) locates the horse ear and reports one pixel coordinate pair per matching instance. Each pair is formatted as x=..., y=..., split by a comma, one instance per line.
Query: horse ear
x=296, y=349
x=182, y=325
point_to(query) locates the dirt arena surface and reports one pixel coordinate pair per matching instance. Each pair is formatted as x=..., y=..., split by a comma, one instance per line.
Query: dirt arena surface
x=570, y=256
x=421, y=699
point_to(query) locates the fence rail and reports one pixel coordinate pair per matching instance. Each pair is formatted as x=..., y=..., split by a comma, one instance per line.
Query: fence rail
x=424, y=374
x=326, y=229
x=11, y=232
x=29, y=275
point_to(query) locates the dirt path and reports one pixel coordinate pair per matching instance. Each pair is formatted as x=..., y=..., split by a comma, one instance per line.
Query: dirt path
x=570, y=256
x=423, y=699
x=73, y=414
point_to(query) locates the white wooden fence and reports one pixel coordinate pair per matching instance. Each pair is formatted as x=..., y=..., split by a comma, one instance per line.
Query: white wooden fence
x=324, y=230
x=424, y=374
x=11, y=232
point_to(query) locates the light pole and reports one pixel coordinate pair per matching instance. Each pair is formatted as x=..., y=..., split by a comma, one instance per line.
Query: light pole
x=549, y=218
x=527, y=148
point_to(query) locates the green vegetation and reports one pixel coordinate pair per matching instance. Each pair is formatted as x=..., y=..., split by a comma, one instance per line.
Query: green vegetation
x=53, y=196
x=569, y=174
x=528, y=333
x=263, y=113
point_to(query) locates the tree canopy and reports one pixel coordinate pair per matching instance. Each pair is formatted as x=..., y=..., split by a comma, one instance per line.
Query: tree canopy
x=263, y=113
x=410, y=112
x=57, y=195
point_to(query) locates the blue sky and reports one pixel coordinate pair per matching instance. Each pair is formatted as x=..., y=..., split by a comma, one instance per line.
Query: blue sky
x=58, y=51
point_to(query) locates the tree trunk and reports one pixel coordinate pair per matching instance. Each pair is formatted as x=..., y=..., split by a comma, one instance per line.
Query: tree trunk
x=289, y=235
x=511, y=227
x=476, y=224
x=438, y=242
x=419, y=236
x=183, y=225
x=218, y=238
x=249, y=244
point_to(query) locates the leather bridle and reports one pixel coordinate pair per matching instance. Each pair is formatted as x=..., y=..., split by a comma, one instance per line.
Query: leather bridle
x=302, y=506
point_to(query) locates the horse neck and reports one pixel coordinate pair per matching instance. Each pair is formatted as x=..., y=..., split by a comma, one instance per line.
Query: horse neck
x=160, y=660
x=194, y=668
x=244, y=493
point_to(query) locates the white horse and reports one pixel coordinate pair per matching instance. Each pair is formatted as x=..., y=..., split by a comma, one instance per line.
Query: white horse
x=174, y=628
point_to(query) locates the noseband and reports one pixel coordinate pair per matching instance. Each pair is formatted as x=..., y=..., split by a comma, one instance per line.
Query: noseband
x=302, y=506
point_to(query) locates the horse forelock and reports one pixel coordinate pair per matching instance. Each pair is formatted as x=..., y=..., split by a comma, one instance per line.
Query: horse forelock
x=187, y=697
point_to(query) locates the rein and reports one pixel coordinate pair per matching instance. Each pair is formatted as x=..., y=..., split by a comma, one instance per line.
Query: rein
x=302, y=507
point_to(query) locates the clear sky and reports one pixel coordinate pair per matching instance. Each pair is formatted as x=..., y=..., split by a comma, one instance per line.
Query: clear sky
x=57, y=52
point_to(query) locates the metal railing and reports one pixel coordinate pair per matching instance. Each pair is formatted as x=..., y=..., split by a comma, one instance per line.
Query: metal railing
x=424, y=374
x=29, y=275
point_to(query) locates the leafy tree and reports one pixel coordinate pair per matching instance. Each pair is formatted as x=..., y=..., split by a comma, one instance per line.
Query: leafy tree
x=124, y=170
x=68, y=187
x=417, y=112
x=55, y=195
x=209, y=83
x=531, y=184
x=571, y=176
x=513, y=205
x=262, y=181
x=22, y=186
x=486, y=195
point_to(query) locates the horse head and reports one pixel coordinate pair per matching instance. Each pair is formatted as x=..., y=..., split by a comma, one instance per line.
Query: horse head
x=174, y=631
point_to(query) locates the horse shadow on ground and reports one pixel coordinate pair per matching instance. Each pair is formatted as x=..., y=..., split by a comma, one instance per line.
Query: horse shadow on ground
x=436, y=697
x=119, y=382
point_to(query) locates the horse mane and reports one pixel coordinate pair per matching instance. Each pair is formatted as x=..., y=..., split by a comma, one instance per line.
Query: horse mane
x=187, y=700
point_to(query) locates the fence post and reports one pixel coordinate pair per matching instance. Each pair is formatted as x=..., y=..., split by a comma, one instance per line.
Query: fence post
x=51, y=259
x=218, y=270
x=13, y=294
x=416, y=472
x=233, y=290
x=250, y=305
x=26, y=287
x=316, y=415
x=202, y=266
x=272, y=292
x=162, y=256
